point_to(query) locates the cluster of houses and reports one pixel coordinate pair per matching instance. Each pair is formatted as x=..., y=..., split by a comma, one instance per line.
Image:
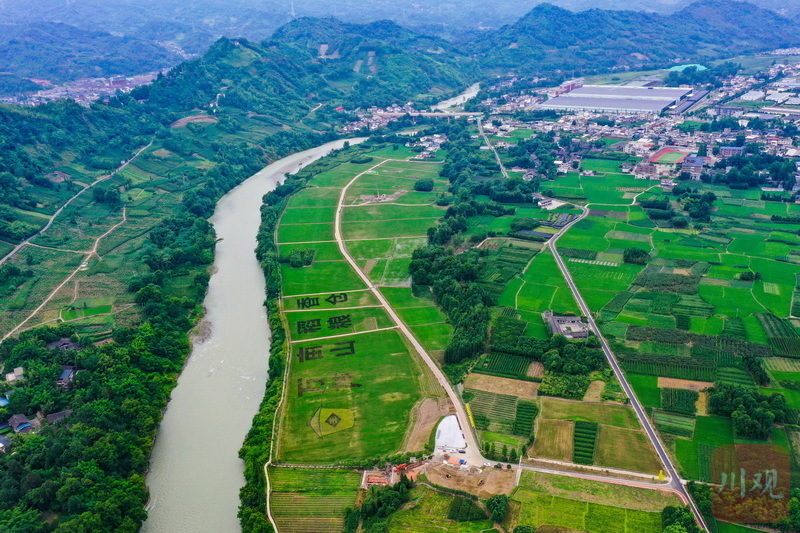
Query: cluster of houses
x=21, y=424
x=374, y=118
x=428, y=146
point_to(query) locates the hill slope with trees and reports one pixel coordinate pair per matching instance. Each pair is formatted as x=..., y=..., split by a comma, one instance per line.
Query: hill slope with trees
x=550, y=38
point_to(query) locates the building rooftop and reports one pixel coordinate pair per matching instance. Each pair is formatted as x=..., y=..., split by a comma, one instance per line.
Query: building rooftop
x=618, y=98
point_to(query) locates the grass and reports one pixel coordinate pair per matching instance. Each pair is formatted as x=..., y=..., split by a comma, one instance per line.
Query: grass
x=553, y=439
x=626, y=449
x=609, y=414
x=596, y=491
x=427, y=513
x=318, y=278
x=646, y=388
x=539, y=509
x=372, y=391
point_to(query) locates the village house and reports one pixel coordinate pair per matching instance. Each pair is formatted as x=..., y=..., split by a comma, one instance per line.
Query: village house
x=17, y=375
x=67, y=375
x=64, y=344
x=55, y=418
x=5, y=444
x=22, y=424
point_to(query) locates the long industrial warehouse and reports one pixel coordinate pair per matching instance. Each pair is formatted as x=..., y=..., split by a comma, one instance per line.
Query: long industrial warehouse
x=625, y=99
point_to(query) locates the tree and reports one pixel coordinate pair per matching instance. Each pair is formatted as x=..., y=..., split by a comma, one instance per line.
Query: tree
x=635, y=256
x=524, y=529
x=498, y=506
x=423, y=185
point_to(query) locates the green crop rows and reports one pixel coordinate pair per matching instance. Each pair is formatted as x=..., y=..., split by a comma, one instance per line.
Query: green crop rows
x=680, y=401
x=523, y=423
x=505, y=365
x=681, y=426
x=499, y=409
x=584, y=440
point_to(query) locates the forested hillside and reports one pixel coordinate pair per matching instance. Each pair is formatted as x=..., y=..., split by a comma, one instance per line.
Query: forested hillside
x=384, y=62
x=551, y=38
x=275, y=83
x=58, y=52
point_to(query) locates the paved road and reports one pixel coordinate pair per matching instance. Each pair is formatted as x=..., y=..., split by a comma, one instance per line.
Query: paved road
x=675, y=480
x=493, y=149
x=473, y=455
x=24, y=243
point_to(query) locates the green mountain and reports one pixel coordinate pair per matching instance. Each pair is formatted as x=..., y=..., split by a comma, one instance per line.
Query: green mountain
x=58, y=52
x=551, y=38
x=383, y=62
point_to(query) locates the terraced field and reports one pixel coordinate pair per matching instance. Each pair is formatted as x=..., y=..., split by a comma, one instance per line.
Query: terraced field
x=304, y=500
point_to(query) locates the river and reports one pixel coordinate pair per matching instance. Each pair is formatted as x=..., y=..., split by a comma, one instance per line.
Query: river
x=195, y=473
x=461, y=99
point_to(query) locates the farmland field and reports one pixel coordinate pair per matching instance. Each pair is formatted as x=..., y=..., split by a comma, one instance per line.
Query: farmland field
x=626, y=449
x=613, y=415
x=553, y=439
x=429, y=514
x=312, y=500
x=348, y=399
x=537, y=509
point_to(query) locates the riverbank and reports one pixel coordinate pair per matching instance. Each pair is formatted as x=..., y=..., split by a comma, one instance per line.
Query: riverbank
x=195, y=473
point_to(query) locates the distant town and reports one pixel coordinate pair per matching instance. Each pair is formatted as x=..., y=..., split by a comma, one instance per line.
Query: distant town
x=83, y=90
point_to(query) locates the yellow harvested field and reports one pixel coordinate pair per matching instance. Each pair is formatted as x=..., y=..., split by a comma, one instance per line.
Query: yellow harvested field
x=594, y=392
x=553, y=440
x=603, y=413
x=536, y=370
x=498, y=385
x=627, y=449
x=702, y=404
x=687, y=384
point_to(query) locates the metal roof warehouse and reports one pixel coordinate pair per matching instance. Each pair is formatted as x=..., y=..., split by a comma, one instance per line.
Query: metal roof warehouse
x=620, y=99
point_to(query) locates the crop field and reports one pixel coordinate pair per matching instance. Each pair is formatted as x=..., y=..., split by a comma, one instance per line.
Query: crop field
x=610, y=414
x=312, y=500
x=539, y=509
x=679, y=401
x=495, y=412
x=553, y=439
x=599, y=492
x=626, y=449
x=682, y=426
x=523, y=422
x=583, y=442
x=694, y=455
x=348, y=398
x=544, y=288
x=325, y=301
x=782, y=364
x=501, y=385
x=501, y=364
x=310, y=324
x=319, y=278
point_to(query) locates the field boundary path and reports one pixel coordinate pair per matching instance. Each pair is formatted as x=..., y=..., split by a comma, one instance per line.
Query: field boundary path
x=89, y=254
x=676, y=483
x=492, y=148
x=103, y=178
x=473, y=455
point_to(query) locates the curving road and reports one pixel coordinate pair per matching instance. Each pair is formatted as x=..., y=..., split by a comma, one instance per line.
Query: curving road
x=675, y=480
x=27, y=241
x=473, y=455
